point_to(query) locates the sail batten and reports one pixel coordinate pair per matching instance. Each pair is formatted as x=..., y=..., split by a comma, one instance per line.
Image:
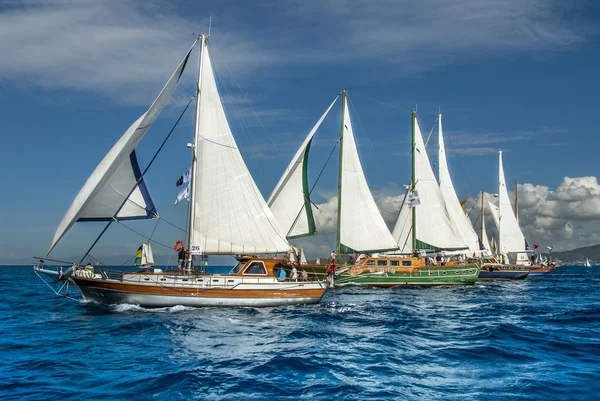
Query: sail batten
x=98, y=200
x=362, y=227
x=230, y=216
x=290, y=200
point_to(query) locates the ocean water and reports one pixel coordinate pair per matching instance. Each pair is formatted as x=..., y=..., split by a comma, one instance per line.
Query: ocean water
x=537, y=339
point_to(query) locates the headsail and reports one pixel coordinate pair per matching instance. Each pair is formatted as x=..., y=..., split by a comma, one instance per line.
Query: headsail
x=510, y=235
x=230, y=216
x=458, y=218
x=485, y=242
x=290, y=201
x=104, y=195
x=362, y=228
x=434, y=230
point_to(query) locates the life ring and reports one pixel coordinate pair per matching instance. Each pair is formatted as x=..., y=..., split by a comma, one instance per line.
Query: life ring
x=179, y=245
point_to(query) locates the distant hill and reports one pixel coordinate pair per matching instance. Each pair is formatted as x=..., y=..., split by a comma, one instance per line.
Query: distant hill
x=577, y=256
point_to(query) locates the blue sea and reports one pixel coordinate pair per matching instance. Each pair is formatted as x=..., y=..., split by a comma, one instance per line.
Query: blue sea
x=537, y=339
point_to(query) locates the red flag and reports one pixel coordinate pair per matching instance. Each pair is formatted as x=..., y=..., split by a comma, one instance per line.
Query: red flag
x=535, y=246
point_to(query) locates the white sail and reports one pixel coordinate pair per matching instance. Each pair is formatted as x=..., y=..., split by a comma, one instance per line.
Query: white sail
x=230, y=216
x=458, y=218
x=510, y=235
x=485, y=242
x=433, y=226
x=290, y=201
x=402, y=231
x=144, y=256
x=303, y=260
x=587, y=263
x=362, y=228
x=105, y=193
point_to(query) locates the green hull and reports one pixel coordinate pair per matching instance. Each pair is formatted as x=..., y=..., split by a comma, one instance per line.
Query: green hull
x=453, y=275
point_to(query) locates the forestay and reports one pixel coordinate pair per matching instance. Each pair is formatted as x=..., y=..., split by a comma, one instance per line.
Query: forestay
x=362, y=229
x=458, y=218
x=104, y=195
x=230, y=214
x=290, y=200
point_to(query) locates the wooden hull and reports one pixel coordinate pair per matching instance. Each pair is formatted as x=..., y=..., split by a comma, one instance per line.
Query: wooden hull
x=422, y=276
x=539, y=271
x=163, y=290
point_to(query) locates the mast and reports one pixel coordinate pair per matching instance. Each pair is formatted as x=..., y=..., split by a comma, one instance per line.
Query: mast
x=500, y=176
x=414, y=209
x=194, y=146
x=517, y=199
x=339, y=220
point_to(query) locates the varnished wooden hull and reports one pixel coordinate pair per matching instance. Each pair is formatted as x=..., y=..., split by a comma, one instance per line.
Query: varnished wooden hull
x=109, y=291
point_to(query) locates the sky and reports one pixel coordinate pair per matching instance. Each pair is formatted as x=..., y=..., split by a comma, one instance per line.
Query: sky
x=516, y=75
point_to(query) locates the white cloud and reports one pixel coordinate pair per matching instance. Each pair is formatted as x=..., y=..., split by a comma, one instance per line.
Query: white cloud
x=565, y=218
x=126, y=49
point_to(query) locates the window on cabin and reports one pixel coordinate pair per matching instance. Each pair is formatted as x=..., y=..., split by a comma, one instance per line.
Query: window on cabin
x=382, y=263
x=407, y=263
x=370, y=263
x=256, y=268
x=237, y=268
x=394, y=263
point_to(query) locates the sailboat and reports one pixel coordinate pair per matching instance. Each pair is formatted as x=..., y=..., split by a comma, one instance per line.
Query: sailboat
x=227, y=216
x=587, y=263
x=511, y=240
x=360, y=229
x=144, y=256
x=491, y=268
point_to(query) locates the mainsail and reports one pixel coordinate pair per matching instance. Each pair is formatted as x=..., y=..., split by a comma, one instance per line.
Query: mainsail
x=434, y=229
x=511, y=237
x=290, y=201
x=228, y=213
x=104, y=196
x=361, y=226
x=458, y=218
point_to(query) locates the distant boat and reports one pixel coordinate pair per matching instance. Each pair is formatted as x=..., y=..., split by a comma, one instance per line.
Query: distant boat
x=587, y=263
x=144, y=257
x=510, y=237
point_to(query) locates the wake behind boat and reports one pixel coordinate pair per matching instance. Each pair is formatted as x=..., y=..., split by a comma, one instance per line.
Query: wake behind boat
x=227, y=216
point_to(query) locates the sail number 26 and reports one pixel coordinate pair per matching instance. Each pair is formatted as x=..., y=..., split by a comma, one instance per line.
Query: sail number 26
x=195, y=250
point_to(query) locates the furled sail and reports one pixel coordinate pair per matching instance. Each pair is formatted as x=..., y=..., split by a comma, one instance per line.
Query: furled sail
x=105, y=193
x=290, y=201
x=230, y=216
x=458, y=218
x=434, y=229
x=362, y=228
x=510, y=235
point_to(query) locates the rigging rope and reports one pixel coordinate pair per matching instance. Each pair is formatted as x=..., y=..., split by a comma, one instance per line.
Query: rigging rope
x=139, y=178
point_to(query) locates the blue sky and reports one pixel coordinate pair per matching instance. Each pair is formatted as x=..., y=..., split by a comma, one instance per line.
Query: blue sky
x=517, y=75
